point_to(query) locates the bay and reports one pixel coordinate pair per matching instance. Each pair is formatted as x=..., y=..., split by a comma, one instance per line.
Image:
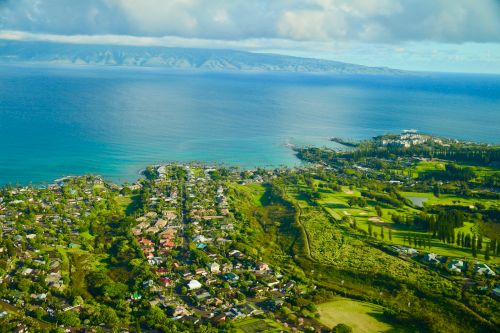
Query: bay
x=114, y=121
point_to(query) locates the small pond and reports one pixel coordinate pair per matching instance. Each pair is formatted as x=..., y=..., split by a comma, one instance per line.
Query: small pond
x=417, y=201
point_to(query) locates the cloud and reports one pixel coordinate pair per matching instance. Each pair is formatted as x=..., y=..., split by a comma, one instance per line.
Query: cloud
x=372, y=21
x=254, y=44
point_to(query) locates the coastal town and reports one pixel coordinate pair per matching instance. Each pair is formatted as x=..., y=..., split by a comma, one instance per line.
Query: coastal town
x=195, y=246
x=235, y=166
x=187, y=247
x=189, y=237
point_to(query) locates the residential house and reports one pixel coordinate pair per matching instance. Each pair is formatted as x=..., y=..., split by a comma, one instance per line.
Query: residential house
x=180, y=311
x=166, y=282
x=432, y=258
x=214, y=267
x=262, y=266
x=456, y=266
x=483, y=269
x=194, y=284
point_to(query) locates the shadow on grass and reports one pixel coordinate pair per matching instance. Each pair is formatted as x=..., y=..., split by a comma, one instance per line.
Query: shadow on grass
x=334, y=205
x=134, y=205
x=396, y=327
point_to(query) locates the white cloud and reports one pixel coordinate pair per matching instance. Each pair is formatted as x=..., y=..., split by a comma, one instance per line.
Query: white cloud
x=306, y=24
x=151, y=17
x=251, y=44
x=385, y=21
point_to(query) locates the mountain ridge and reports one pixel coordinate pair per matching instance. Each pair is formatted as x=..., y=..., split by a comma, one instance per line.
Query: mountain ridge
x=173, y=58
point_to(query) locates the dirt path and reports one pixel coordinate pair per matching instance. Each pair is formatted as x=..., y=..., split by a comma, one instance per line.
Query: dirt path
x=298, y=218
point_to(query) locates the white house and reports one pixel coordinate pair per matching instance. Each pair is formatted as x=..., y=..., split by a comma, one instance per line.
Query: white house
x=201, y=239
x=432, y=258
x=456, y=266
x=214, y=267
x=483, y=269
x=194, y=284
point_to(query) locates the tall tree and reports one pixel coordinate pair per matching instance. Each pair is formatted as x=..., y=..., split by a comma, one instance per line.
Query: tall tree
x=493, y=246
x=473, y=246
x=467, y=241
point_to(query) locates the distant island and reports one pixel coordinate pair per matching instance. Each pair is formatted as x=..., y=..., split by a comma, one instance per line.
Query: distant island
x=173, y=58
x=400, y=233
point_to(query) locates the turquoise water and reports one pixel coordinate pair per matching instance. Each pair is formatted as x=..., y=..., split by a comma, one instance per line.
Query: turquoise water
x=114, y=121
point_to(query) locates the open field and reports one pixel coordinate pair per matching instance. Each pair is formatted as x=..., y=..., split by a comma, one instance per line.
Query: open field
x=253, y=191
x=449, y=199
x=422, y=166
x=361, y=316
x=124, y=201
x=400, y=234
x=128, y=203
x=336, y=205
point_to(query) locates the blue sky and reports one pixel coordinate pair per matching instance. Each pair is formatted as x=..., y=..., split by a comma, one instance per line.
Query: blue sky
x=434, y=35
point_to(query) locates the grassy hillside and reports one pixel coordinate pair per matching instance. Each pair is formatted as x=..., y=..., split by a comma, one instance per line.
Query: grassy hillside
x=335, y=257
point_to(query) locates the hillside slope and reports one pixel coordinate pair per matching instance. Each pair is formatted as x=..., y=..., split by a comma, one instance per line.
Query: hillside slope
x=172, y=58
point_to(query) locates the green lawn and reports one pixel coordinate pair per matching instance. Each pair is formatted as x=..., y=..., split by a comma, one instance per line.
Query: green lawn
x=449, y=199
x=129, y=203
x=124, y=201
x=400, y=233
x=254, y=325
x=361, y=316
x=254, y=191
x=335, y=203
x=422, y=166
x=429, y=165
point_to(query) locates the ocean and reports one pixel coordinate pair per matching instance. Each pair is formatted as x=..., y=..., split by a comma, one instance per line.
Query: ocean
x=113, y=121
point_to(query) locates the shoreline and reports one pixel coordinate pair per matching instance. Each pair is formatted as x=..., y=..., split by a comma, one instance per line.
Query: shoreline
x=292, y=148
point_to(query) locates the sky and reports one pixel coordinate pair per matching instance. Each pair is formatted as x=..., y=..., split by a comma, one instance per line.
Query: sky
x=429, y=35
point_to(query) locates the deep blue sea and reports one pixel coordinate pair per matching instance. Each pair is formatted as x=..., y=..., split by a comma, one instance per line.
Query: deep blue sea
x=57, y=121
